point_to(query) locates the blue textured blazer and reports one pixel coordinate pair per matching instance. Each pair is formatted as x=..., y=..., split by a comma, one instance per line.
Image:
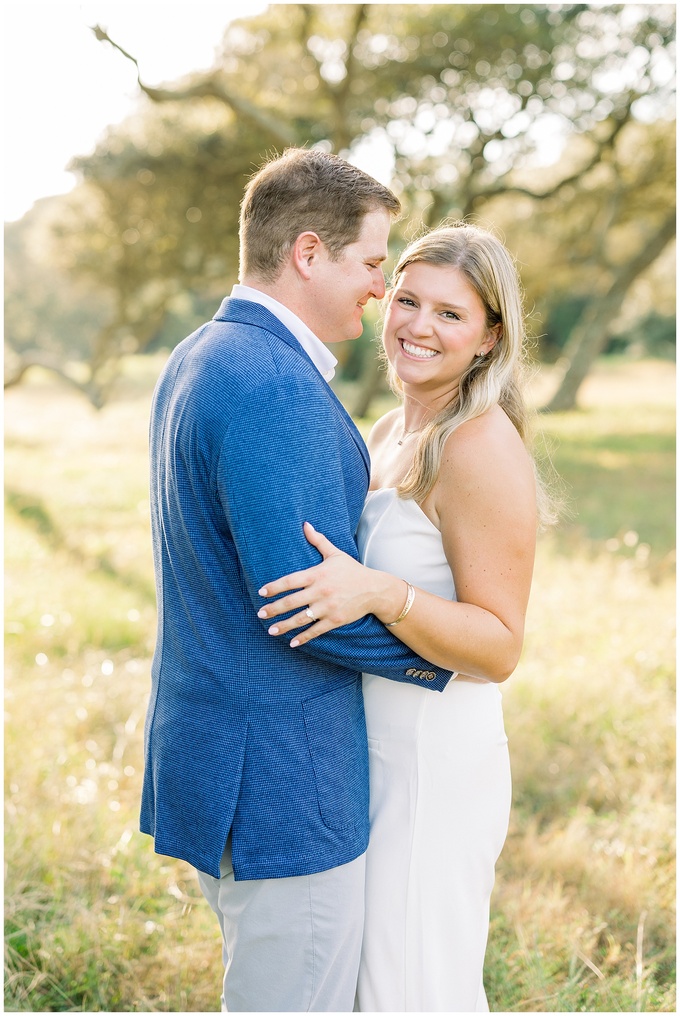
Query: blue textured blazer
x=244, y=733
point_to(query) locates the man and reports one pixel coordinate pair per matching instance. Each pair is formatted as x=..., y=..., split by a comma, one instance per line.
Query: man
x=256, y=754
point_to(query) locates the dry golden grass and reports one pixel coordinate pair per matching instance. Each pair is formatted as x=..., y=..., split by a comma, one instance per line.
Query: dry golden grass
x=583, y=911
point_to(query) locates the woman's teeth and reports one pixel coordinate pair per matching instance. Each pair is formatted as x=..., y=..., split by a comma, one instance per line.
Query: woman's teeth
x=422, y=354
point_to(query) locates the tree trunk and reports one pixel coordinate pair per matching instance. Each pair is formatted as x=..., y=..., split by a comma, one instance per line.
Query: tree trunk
x=585, y=344
x=371, y=383
x=592, y=330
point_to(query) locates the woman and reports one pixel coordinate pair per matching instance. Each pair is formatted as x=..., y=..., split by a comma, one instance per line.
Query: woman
x=447, y=538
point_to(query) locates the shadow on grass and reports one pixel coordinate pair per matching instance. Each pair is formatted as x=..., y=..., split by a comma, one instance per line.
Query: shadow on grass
x=614, y=484
x=31, y=510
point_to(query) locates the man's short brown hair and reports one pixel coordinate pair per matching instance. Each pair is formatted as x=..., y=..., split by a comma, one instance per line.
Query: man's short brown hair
x=304, y=189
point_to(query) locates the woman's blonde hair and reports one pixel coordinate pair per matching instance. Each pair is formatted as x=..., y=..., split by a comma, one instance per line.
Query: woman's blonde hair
x=496, y=378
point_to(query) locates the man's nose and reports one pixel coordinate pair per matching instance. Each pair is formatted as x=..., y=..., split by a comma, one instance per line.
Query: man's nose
x=378, y=286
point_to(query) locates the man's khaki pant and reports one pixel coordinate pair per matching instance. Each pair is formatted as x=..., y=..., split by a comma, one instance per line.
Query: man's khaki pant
x=289, y=944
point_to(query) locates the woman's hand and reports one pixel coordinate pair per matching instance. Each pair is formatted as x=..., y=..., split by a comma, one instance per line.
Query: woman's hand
x=331, y=594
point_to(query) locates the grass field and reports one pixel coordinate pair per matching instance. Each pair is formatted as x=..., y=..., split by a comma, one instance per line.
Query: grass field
x=583, y=910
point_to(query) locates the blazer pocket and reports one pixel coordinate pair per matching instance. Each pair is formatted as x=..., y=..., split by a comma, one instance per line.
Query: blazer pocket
x=336, y=734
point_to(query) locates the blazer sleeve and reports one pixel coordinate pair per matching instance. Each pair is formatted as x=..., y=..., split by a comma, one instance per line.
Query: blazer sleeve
x=283, y=461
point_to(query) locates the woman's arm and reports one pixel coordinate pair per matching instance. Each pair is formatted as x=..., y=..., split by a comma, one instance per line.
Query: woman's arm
x=484, y=504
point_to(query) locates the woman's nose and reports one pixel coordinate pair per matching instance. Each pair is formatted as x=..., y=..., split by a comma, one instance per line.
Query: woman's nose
x=421, y=322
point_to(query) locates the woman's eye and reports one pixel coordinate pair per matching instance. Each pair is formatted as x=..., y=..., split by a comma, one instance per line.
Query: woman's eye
x=406, y=302
x=451, y=315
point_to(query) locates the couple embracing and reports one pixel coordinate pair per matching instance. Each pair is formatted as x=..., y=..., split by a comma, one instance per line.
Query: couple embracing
x=288, y=564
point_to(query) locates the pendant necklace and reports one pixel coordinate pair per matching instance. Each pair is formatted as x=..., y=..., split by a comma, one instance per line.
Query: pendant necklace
x=407, y=433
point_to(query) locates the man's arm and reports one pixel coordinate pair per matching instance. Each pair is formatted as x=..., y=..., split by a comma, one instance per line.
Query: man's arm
x=283, y=463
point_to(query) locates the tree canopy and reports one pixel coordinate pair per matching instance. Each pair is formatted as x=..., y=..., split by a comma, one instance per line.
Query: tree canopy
x=553, y=121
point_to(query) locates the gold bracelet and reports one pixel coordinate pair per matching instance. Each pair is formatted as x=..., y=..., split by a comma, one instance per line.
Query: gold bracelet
x=410, y=597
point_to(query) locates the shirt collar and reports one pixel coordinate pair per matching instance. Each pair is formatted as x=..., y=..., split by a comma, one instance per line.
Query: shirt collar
x=321, y=357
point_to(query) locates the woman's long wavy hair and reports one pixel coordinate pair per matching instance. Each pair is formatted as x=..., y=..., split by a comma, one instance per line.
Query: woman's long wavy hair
x=497, y=378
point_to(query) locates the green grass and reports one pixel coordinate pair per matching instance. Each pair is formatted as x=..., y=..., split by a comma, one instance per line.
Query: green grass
x=582, y=916
x=616, y=458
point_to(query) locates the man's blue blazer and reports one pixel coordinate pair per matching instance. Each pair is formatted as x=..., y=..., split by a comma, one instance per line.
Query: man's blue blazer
x=244, y=733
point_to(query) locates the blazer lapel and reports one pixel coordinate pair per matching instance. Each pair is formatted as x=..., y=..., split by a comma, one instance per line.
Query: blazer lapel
x=248, y=312
x=352, y=428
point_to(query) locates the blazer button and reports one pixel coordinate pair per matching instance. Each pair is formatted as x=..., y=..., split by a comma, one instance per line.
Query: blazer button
x=429, y=675
x=411, y=672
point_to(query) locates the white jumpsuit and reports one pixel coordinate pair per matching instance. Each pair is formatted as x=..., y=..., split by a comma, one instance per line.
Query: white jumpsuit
x=440, y=801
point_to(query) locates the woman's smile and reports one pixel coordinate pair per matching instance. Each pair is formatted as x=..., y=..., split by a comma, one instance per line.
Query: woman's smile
x=417, y=352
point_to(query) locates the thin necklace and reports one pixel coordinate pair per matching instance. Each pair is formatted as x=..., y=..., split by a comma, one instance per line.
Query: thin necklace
x=407, y=433
x=416, y=430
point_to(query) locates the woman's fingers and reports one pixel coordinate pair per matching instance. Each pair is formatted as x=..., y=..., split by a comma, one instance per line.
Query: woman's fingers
x=313, y=586
x=282, y=606
x=308, y=634
x=321, y=542
x=315, y=627
x=296, y=621
x=296, y=580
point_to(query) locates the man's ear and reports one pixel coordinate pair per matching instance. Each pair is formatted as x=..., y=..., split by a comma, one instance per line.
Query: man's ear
x=306, y=250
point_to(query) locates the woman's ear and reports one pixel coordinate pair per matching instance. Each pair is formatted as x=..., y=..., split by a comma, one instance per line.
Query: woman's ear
x=492, y=337
x=306, y=250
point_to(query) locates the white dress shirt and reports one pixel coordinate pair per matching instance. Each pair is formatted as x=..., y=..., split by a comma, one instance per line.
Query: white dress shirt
x=321, y=357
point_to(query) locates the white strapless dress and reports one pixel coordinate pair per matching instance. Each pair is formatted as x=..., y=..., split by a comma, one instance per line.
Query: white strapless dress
x=440, y=802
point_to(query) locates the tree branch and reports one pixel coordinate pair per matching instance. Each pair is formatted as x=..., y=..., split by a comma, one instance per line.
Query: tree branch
x=361, y=12
x=305, y=28
x=38, y=358
x=342, y=93
x=604, y=146
x=209, y=87
x=646, y=256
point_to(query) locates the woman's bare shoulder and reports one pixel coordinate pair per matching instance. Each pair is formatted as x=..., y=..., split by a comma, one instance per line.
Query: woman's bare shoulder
x=493, y=430
x=486, y=452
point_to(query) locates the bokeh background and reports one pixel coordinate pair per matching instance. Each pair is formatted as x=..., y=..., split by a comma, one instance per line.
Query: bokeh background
x=552, y=124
